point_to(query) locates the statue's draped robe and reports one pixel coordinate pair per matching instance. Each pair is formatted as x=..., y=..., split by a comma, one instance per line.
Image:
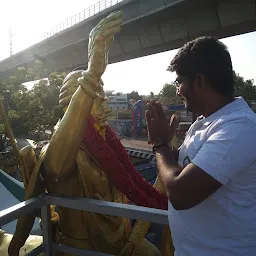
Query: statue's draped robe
x=88, y=230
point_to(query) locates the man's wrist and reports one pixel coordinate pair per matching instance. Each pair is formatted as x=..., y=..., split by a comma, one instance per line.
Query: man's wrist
x=161, y=146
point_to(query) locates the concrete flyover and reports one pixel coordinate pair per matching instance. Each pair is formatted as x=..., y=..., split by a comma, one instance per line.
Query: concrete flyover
x=150, y=26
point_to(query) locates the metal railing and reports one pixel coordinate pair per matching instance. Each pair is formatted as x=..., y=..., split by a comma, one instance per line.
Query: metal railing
x=81, y=16
x=90, y=205
x=70, y=22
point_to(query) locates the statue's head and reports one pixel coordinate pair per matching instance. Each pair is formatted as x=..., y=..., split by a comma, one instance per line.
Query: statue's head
x=100, y=109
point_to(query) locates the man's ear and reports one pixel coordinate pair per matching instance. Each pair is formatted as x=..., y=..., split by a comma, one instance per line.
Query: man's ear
x=200, y=81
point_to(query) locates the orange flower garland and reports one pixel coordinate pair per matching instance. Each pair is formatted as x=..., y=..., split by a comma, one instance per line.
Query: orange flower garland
x=114, y=160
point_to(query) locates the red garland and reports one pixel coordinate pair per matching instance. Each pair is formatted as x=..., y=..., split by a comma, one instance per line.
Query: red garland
x=123, y=157
x=114, y=160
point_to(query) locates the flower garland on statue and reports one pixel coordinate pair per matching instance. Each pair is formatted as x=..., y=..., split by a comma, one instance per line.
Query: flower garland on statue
x=114, y=160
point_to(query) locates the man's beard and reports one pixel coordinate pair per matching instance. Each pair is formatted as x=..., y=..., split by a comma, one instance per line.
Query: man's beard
x=185, y=102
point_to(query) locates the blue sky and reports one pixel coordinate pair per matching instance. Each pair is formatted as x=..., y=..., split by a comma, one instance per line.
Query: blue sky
x=29, y=19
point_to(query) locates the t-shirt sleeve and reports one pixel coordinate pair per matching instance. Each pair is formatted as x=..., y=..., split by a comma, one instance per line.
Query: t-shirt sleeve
x=229, y=150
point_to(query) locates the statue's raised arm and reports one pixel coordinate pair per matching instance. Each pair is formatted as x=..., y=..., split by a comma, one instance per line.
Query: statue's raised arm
x=100, y=41
x=78, y=93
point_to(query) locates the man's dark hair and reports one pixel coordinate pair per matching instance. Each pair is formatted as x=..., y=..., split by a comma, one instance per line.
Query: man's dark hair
x=210, y=57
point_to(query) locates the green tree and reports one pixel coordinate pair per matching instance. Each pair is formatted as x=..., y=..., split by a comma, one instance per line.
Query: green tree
x=3, y=87
x=168, y=94
x=30, y=75
x=20, y=74
x=56, y=79
x=152, y=95
x=134, y=95
x=4, y=142
x=244, y=88
x=47, y=97
x=39, y=70
x=34, y=110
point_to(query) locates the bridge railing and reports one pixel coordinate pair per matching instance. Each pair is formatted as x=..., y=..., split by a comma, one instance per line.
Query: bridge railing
x=69, y=22
x=90, y=205
x=81, y=16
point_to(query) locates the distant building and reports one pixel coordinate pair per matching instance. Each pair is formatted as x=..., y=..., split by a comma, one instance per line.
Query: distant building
x=118, y=102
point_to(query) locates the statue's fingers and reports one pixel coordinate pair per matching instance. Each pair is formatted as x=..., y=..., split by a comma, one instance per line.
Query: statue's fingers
x=63, y=94
x=111, y=17
x=115, y=15
x=69, y=91
x=112, y=24
x=65, y=101
x=113, y=20
x=70, y=83
x=71, y=88
x=73, y=74
x=111, y=31
x=107, y=25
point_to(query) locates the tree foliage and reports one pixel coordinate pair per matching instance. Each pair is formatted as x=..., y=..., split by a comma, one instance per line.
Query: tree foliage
x=244, y=88
x=168, y=94
x=134, y=95
x=31, y=110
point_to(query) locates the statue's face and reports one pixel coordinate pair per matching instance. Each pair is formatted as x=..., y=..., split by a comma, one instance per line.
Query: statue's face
x=100, y=108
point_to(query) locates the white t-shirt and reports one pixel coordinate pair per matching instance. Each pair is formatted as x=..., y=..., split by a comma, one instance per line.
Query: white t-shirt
x=224, y=146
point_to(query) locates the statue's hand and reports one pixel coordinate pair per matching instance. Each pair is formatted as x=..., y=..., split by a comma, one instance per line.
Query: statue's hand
x=100, y=41
x=75, y=79
x=70, y=85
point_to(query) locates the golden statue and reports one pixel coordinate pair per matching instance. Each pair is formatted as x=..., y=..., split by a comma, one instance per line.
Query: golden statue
x=66, y=167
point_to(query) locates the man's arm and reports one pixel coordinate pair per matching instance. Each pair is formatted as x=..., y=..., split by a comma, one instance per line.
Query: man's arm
x=186, y=187
x=228, y=150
